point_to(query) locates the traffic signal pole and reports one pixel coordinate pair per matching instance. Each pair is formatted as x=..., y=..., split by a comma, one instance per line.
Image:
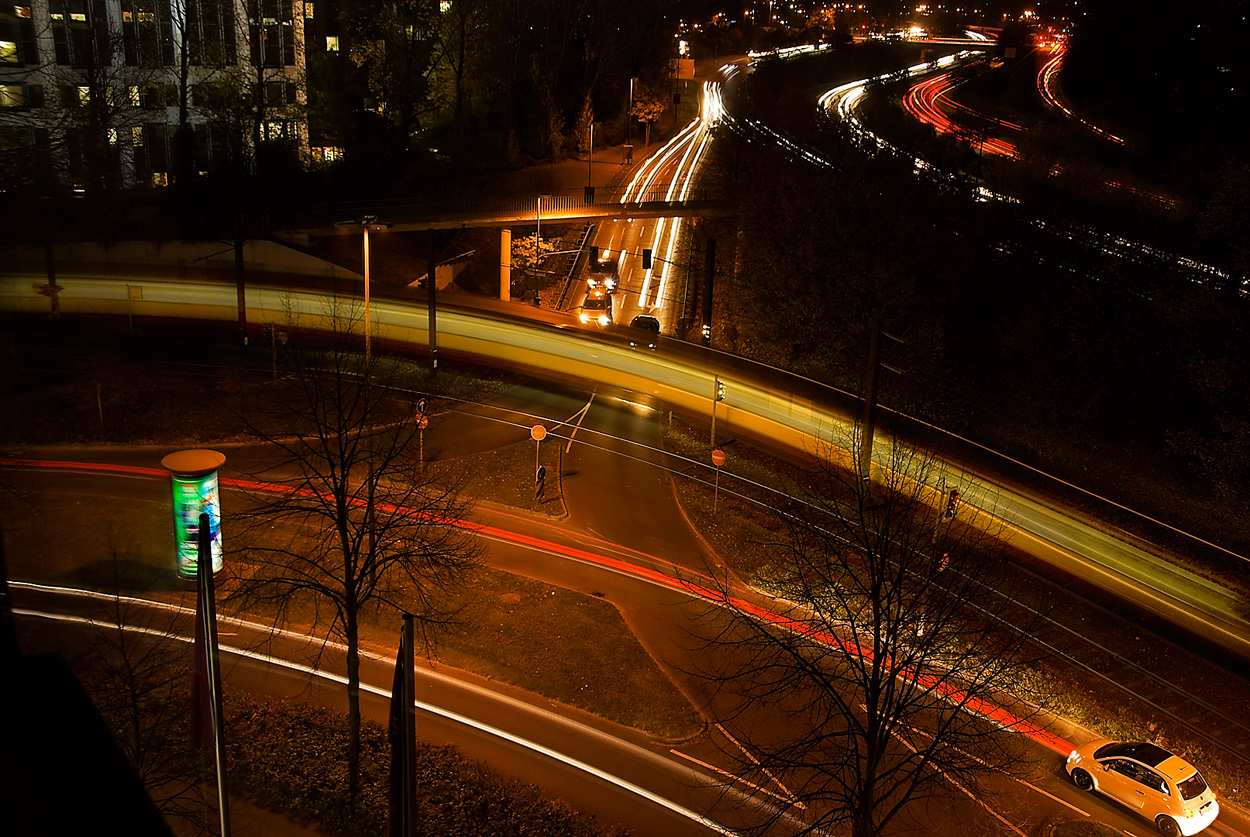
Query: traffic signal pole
x=868, y=420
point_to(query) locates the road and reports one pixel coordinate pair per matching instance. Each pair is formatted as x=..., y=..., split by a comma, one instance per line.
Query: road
x=595, y=550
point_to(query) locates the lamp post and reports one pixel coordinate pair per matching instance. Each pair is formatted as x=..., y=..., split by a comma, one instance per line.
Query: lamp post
x=538, y=244
x=629, y=115
x=367, y=223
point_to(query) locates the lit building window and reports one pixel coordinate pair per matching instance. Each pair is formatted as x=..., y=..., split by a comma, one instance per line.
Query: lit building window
x=22, y=11
x=8, y=52
x=160, y=178
x=112, y=136
x=84, y=95
x=332, y=43
x=11, y=96
x=136, y=136
x=308, y=10
x=133, y=94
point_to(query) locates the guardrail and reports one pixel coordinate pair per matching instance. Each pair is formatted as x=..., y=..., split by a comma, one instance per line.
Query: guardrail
x=474, y=207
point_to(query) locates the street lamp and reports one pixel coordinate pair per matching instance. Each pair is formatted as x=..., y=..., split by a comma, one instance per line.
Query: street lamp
x=538, y=243
x=367, y=223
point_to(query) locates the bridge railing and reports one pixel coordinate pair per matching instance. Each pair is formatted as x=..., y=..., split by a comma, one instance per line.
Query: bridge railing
x=462, y=204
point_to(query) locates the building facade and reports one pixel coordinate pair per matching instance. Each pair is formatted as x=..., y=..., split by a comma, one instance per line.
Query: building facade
x=125, y=93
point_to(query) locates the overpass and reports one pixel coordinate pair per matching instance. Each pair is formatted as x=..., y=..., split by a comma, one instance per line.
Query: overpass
x=461, y=208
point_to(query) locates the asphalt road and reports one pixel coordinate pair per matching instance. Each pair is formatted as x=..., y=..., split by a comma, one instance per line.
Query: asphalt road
x=619, y=507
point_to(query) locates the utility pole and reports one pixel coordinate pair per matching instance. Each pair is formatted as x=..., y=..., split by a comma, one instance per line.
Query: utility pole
x=710, y=270
x=718, y=395
x=868, y=419
x=433, y=298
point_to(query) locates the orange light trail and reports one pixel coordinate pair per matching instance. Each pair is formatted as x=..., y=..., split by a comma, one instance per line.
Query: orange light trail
x=699, y=586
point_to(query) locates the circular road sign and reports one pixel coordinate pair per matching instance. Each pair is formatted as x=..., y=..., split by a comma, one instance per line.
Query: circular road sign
x=718, y=458
x=538, y=433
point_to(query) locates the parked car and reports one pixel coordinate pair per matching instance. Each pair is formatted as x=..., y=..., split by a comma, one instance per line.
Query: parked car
x=1161, y=786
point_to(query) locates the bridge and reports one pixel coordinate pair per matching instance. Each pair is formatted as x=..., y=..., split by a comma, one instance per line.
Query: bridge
x=462, y=209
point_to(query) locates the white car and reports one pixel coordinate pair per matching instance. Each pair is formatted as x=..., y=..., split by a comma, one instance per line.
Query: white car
x=1162, y=787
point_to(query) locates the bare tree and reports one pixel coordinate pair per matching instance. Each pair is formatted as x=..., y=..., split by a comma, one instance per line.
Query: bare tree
x=889, y=635
x=357, y=522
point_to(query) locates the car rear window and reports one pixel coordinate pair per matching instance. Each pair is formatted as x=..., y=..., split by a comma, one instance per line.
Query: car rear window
x=1192, y=787
x=596, y=304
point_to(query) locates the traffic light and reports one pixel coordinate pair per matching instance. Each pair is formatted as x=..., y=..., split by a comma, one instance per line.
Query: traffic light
x=646, y=259
x=952, y=501
x=720, y=390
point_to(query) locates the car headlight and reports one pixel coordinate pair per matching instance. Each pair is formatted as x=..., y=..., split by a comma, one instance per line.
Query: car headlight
x=603, y=319
x=583, y=317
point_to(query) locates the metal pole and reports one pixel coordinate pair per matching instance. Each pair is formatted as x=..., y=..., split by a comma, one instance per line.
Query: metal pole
x=433, y=301
x=505, y=265
x=204, y=580
x=239, y=285
x=407, y=640
x=869, y=419
x=715, y=392
x=367, y=346
x=590, y=152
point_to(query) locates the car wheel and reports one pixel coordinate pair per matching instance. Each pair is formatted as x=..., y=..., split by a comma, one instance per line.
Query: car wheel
x=1168, y=827
x=1083, y=780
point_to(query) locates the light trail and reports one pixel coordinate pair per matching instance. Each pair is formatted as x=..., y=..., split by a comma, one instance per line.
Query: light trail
x=1048, y=87
x=430, y=708
x=694, y=584
x=926, y=101
x=683, y=153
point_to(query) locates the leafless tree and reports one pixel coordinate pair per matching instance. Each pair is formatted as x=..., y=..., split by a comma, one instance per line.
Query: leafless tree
x=354, y=521
x=859, y=687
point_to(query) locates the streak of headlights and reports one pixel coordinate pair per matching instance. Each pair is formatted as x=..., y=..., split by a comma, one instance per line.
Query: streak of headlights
x=429, y=708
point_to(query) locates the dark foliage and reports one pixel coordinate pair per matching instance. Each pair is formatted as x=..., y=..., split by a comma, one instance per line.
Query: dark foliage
x=291, y=758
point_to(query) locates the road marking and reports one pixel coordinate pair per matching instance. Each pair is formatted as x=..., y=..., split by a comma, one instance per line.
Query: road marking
x=580, y=416
x=732, y=777
x=756, y=762
x=434, y=710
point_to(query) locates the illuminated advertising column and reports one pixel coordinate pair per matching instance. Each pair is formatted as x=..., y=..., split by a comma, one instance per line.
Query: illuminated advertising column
x=193, y=474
